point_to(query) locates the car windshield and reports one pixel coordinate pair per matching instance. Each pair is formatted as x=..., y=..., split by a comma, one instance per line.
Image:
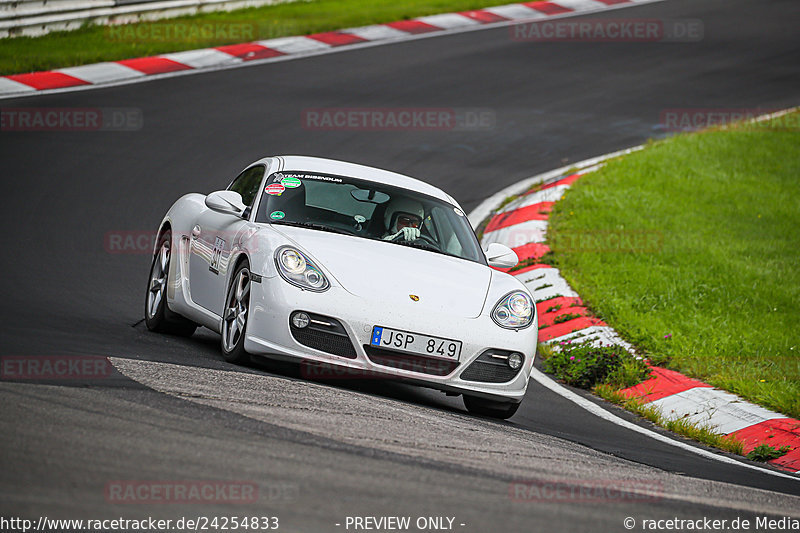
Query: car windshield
x=368, y=210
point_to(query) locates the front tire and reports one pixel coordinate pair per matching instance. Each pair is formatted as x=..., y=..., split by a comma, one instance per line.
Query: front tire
x=490, y=408
x=157, y=315
x=235, y=316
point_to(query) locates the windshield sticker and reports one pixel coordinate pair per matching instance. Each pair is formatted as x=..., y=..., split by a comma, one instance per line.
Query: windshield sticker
x=458, y=211
x=290, y=182
x=275, y=189
x=277, y=177
x=277, y=215
x=317, y=177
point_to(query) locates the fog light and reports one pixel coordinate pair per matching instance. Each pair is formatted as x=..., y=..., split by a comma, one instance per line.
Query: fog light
x=514, y=361
x=300, y=320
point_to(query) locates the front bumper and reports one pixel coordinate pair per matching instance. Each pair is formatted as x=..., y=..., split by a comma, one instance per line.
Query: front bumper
x=269, y=334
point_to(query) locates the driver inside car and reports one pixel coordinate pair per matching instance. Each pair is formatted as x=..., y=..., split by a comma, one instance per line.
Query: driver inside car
x=403, y=218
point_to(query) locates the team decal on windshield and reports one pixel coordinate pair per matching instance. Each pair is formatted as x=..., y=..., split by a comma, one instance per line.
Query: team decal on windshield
x=290, y=182
x=303, y=176
x=277, y=215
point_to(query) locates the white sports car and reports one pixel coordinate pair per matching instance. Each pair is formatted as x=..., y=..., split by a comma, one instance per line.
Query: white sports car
x=346, y=267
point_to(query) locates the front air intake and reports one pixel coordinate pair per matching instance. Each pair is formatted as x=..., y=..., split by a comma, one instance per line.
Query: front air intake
x=412, y=363
x=491, y=367
x=324, y=334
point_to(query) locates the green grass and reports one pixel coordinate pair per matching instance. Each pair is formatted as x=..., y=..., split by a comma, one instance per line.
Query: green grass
x=91, y=43
x=718, y=298
x=585, y=366
x=566, y=317
x=765, y=452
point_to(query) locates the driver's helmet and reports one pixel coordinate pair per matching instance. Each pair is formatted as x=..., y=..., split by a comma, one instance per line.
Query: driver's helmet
x=402, y=212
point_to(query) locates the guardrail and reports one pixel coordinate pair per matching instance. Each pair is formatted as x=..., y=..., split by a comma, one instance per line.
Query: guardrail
x=38, y=17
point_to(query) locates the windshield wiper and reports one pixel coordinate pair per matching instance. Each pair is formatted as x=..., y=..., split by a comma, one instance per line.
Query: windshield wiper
x=311, y=225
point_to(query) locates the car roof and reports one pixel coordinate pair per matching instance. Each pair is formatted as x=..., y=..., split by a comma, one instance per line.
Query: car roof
x=353, y=170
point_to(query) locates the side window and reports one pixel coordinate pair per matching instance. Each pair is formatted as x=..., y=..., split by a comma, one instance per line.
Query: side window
x=247, y=184
x=451, y=245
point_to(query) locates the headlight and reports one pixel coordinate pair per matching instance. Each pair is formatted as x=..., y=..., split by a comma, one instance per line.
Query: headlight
x=299, y=270
x=514, y=311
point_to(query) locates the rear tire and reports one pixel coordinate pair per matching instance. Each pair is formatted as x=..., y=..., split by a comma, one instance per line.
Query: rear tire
x=157, y=315
x=235, y=316
x=490, y=408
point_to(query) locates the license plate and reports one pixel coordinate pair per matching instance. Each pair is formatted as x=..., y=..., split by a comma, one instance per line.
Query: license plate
x=416, y=343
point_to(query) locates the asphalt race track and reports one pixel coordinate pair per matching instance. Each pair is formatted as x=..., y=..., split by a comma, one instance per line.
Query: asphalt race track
x=174, y=410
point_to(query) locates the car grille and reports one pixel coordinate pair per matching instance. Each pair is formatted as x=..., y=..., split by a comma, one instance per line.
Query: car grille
x=487, y=369
x=326, y=335
x=412, y=363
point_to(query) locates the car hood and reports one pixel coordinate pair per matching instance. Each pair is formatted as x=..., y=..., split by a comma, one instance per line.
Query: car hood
x=392, y=273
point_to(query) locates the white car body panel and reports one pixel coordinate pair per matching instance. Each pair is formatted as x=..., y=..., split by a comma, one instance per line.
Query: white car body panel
x=370, y=269
x=371, y=283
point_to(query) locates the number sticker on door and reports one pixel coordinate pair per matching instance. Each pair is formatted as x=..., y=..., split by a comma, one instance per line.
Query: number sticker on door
x=219, y=245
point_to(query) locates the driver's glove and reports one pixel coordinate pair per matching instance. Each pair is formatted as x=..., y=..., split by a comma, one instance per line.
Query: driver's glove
x=409, y=234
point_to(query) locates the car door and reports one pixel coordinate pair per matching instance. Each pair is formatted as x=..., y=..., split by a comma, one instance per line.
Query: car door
x=214, y=237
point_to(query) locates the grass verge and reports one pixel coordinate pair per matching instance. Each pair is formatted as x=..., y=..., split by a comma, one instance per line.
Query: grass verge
x=585, y=366
x=92, y=43
x=714, y=295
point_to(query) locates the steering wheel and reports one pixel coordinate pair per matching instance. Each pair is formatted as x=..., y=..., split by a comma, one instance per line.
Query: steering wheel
x=424, y=238
x=427, y=240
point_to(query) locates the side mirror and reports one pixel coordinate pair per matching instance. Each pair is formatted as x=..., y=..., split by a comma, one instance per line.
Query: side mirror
x=229, y=202
x=501, y=256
